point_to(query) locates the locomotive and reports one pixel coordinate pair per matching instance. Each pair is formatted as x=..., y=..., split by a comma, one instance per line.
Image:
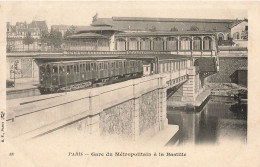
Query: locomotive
x=73, y=75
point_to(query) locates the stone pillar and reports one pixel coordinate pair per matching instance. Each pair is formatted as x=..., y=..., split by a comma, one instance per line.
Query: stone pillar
x=151, y=42
x=139, y=44
x=190, y=86
x=164, y=43
x=95, y=110
x=202, y=45
x=178, y=44
x=126, y=43
x=191, y=45
x=135, y=123
x=162, y=103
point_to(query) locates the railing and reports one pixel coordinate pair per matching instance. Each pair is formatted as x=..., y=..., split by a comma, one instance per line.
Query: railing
x=230, y=48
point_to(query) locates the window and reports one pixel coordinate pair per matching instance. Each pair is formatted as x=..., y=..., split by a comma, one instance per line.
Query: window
x=87, y=67
x=172, y=43
x=55, y=69
x=84, y=67
x=133, y=44
x=185, y=44
x=220, y=37
x=158, y=44
x=196, y=43
x=207, y=43
x=120, y=44
x=145, y=44
x=61, y=69
x=68, y=70
x=81, y=67
x=246, y=28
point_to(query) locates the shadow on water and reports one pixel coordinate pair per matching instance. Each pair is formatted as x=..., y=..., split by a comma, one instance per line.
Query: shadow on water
x=217, y=119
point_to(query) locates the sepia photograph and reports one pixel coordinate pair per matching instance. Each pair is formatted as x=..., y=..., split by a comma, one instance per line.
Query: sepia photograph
x=128, y=83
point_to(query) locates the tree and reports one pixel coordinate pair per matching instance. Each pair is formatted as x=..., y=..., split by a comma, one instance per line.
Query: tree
x=28, y=39
x=70, y=31
x=193, y=28
x=45, y=37
x=55, y=38
x=174, y=29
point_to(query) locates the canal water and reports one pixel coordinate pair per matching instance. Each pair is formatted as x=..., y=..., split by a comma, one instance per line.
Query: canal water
x=219, y=119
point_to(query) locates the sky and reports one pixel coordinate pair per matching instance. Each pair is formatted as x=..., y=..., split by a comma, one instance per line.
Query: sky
x=81, y=13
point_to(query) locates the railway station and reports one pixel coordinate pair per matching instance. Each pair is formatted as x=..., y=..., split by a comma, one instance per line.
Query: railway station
x=137, y=67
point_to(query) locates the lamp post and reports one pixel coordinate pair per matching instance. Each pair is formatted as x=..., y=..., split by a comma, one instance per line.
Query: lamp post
x=15, y=68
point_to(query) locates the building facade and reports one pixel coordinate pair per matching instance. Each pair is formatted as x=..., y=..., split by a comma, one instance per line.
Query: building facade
x=18, y=32
x=180, y=36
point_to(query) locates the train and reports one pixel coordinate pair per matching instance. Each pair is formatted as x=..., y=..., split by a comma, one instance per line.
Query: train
x=78, y=74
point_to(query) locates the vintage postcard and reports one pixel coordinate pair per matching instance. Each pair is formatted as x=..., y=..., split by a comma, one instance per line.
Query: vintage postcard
x=91, y=84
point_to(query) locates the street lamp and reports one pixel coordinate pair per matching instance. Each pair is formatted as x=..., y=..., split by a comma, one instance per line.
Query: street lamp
x=15, y=68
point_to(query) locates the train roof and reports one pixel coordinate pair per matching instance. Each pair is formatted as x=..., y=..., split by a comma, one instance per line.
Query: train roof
x=110, y=59
x=72, y=61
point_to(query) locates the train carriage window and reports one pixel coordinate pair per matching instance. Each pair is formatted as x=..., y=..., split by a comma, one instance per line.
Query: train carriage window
x=80, y=67
x=91, y=66
x=84, y=67
x=61, y=69
x=42, y=70
x=55, y=69
x=75, y=68
x=112, y=65
x=95, y=67
x=68, y=69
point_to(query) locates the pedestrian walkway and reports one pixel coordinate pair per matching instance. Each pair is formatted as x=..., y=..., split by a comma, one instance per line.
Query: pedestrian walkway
x=24, y=87
x=23, y=83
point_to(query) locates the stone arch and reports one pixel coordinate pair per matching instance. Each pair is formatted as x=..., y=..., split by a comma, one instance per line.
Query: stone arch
x=133, y=44
x=207, y=43
x=197, y=43
x=158, y=43
x=228, y=36
x=171, y=43
x=120, y=44
x=221, y=36
x=185, y=43
x=236, y=35
x=145, y=44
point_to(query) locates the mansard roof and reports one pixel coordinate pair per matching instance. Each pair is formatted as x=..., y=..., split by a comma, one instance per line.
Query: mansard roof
x=164, y=24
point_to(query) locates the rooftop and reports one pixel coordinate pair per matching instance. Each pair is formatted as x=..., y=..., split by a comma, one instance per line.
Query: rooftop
x=86, y=35
x=164, y=24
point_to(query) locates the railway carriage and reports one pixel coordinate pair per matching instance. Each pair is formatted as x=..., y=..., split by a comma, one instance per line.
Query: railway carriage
x=72, y=75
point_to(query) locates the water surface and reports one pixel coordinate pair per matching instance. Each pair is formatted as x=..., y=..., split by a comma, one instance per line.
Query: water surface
x=220, y=119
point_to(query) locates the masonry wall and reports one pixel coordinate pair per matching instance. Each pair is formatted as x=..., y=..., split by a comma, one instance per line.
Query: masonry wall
x=127, y=110
x=227, y=66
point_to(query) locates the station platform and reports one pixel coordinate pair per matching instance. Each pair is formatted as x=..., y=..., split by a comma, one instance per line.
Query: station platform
x=24, y=87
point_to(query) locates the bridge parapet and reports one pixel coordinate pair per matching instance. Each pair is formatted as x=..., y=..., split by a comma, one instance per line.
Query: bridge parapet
x=35, y=118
